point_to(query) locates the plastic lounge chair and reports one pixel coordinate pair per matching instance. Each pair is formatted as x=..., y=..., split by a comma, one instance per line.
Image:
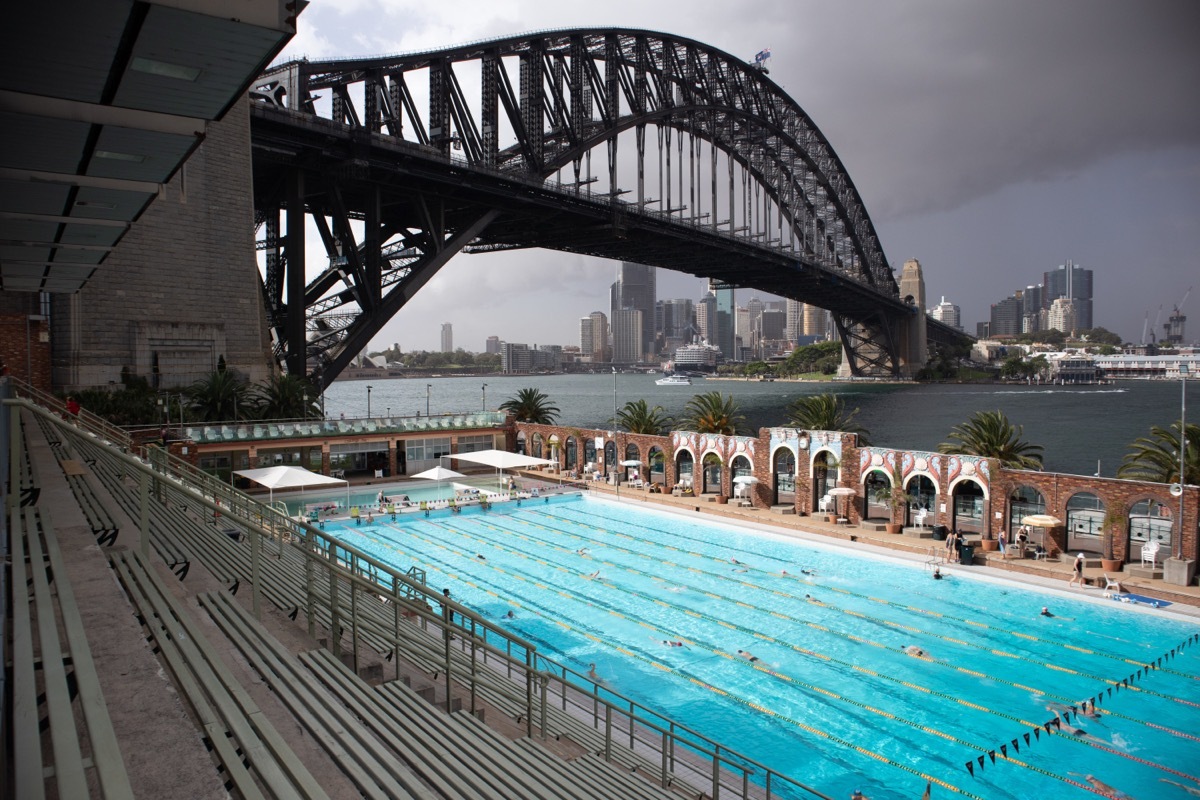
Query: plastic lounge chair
x=1150, y=553
x=1112, y=585
x=823, y=504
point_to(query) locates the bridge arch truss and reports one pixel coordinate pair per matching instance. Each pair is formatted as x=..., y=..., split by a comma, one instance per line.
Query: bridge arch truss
x=618, y=143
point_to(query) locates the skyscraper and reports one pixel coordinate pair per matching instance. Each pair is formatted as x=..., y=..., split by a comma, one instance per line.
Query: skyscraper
x=723, y=324
x=1075, y=283
x=447, y=338
x=628, y=328
x=635, y=288
x=1006, y=316
x=492, y=345
x=593, y=337
x=794, y=324
x=948, y=313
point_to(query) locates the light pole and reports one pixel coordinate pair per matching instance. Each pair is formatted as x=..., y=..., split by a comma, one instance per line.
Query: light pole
x=428, y=386
x=1183, y=373
x=616, y=448
x=369, y=388
x=304, y=408
x=485, y=397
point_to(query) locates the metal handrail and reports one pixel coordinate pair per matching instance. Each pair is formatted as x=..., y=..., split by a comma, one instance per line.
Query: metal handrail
x=365, y=574
x=85, y=419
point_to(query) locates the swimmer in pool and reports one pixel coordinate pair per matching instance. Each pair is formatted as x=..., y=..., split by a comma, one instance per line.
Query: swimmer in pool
x=1191, y=790
x=937, y=573
x=1046, y=611
x=1105, y=790
x=672, y=643
x=510, y=615
x=915, y=651
x=593, y=576
x=591, y=673
x=746, y=654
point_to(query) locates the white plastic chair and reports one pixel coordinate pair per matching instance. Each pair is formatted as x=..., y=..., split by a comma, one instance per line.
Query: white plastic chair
x=1111, y=585
x=1150, y=553
x=920, y=516
x=823, y=504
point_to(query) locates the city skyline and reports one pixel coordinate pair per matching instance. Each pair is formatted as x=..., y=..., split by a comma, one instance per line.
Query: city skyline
x=991, y=142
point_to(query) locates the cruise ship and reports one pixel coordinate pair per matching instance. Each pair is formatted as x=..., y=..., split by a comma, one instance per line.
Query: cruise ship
x=674, y=380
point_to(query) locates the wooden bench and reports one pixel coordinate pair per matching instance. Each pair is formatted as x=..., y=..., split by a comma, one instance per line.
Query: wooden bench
x=67, y=673
x=369, y=763
x=251, y=751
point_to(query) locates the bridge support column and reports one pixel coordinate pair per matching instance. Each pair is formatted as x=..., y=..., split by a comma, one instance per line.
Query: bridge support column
x=297, y=345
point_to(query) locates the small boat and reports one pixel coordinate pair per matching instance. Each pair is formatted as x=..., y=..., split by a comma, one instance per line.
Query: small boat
x=674, y=380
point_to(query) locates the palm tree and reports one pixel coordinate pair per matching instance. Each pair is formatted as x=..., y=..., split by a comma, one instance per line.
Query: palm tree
x=637, y=417
x=1156, y=457
x=531, y=405
x=286, y=396
x=711, y=412
x=989, y=434
x=220, y=396
x=825, y=412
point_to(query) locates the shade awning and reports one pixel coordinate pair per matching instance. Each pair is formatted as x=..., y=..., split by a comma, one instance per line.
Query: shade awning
x=501, y=459
x=286, y=477
x=438, y=474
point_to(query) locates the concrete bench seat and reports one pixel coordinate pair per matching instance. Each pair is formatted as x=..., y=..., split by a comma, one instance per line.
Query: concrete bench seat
x=83, y=747
x=248, y=748
x=370, y=764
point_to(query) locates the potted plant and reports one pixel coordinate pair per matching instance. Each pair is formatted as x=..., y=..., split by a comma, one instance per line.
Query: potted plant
x=1115, y=519
x=892, y=497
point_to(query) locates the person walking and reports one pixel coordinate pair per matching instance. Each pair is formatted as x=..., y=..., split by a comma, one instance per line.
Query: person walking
x=1077, y=572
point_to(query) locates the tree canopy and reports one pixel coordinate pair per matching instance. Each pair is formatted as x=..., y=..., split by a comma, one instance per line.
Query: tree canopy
x=711, y=412
x=825, y=412
x=990, y=434
x=1156, y=457
x=637, y=417
x=531, y=405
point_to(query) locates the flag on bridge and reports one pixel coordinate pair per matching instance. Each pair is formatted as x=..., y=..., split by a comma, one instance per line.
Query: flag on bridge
x=762, y=55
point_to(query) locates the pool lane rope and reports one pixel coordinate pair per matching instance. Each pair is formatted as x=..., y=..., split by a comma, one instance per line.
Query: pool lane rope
x=780, y=676
x=1035, y=727
x=888, y=623
x=692, y=679
x=982, y=625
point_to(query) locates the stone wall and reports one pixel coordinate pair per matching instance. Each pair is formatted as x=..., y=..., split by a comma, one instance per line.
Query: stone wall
x=182, y=288
x=948, y=474
x=25, y=345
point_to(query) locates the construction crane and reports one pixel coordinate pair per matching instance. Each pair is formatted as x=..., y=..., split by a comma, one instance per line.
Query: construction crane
x=1174, y=327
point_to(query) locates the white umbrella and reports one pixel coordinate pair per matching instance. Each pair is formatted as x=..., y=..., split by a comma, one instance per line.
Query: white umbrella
x=630, y=462
x=439, y=473
x=745, y=479
x=842, y=491
x=1041, y=521
x=501, y=460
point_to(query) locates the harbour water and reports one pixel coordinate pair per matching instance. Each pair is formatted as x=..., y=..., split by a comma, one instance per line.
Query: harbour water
x=1079, y=426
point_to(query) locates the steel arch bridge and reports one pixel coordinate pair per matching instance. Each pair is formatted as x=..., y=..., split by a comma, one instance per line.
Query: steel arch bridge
x=703, y=165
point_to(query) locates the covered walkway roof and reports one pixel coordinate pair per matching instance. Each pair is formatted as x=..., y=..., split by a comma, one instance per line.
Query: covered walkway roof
x=100, y=104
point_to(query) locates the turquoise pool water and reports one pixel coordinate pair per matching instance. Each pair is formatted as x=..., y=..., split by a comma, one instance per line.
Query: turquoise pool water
x=833, y=700
x=416, y=491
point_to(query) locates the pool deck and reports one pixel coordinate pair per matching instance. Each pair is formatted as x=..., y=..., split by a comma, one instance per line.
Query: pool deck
x=1052, y=574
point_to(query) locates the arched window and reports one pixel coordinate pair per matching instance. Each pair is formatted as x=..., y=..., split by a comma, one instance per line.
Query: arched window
x=1150, y=521
x=741, y=466
x=1025, y=501
x=684, y=465
x=968, y=506
x=711, y=474
x=784, y=469
x=610, y=456
x=537, y=446
x=658, y=465
x=572, y=452
x=1085, y=522
x=589, y=451
x=877, y=494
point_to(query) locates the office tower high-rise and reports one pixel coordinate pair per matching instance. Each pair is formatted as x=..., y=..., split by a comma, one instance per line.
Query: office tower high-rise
x=628, y=327
x=816, y=321
x=1006, y=316
x=1062, y=316
x=635, y=288
x=492, y=345
x=593, y=337
x=706, y=316
x=1075, y=283
x=1031, y=308
x=947, y=313
x=794, y=323
x=447, y=338
x=723, y=325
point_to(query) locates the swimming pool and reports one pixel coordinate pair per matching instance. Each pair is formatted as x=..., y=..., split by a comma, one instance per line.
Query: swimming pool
x=832, y=699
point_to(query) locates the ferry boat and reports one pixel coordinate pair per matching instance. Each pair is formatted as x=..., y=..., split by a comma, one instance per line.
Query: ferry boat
x=674, y=380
